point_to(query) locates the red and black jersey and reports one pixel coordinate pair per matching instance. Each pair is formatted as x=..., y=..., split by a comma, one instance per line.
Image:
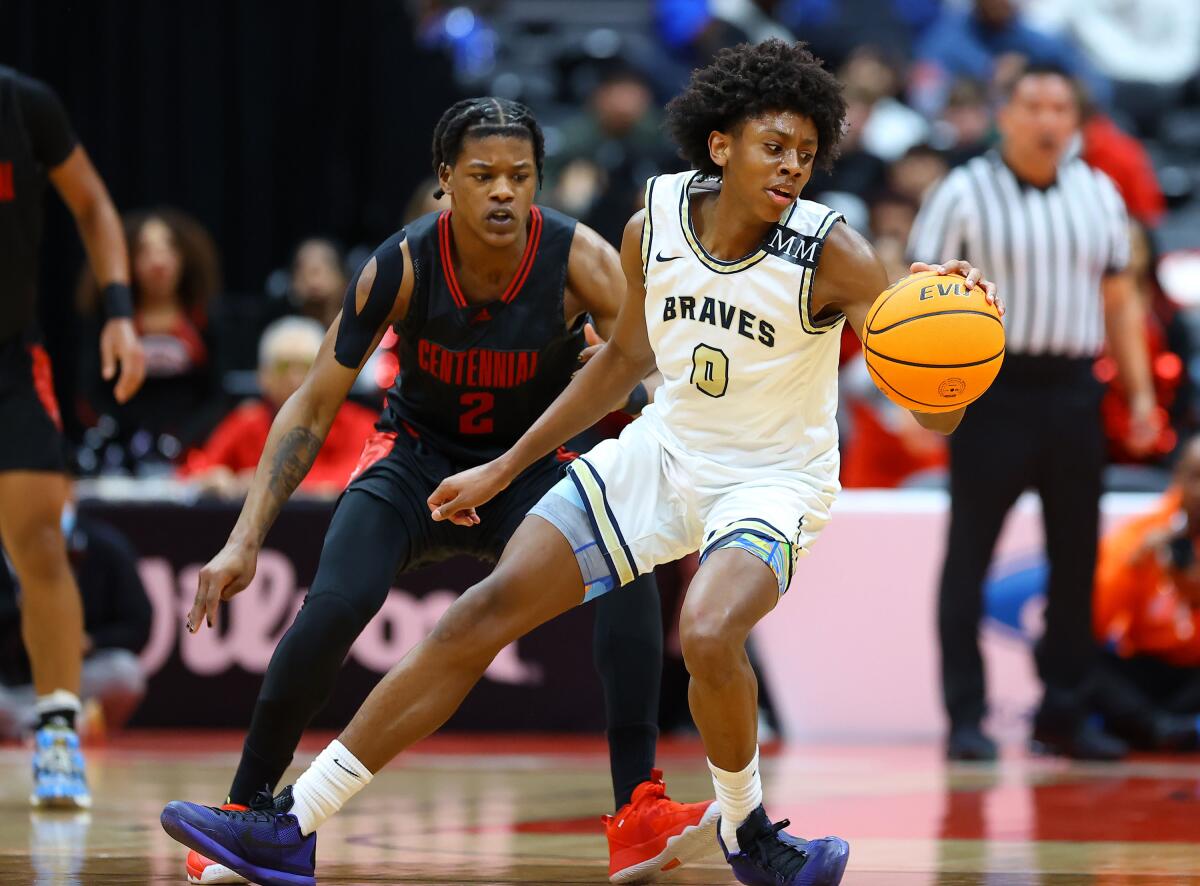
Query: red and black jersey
x=35, y=137
x=474, y=377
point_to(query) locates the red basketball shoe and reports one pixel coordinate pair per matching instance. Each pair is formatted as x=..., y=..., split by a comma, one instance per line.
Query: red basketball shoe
x=204, y=871
x=654, y=834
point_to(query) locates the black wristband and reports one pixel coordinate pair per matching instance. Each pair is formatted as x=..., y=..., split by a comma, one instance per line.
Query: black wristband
x=639, y=397
x=118, y=300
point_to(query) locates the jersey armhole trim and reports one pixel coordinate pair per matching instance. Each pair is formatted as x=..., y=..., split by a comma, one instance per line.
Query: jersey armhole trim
x=808, y=321
x=648, y=227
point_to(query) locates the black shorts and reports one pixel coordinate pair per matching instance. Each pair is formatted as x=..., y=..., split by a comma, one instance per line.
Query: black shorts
x=30, y=427
x=403, y=472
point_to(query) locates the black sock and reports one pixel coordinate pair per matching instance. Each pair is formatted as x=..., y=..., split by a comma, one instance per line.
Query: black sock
x=627, y=650
x=367, y=538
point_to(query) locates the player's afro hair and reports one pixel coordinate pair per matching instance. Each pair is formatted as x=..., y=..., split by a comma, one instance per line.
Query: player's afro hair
x=746, y=80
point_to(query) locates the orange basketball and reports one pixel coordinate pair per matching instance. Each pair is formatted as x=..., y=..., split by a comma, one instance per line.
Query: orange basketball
x=931, y=344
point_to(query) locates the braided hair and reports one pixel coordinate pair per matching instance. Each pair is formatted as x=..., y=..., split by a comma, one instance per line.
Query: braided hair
x=479, y=118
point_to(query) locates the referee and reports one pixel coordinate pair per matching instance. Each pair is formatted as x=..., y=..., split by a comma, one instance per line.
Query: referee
x=1052, y=233
x=38, y=145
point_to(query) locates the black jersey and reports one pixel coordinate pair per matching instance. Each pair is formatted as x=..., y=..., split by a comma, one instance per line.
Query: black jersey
x=475, y=377
x=34, y=138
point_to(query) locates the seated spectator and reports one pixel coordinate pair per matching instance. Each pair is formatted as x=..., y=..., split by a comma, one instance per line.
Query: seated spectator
x=965, y=127
x=891, y=219
x=834, y=29
x=970, y=42
x=884, y=446
x=422, y=202
x=891, y=127
x=225, y=464
x=1123, y=159
x=175, y=276
x=1150, y=43
x=857, y=170
x=1168, y=342
x=318, y=280
x=607, y=151
x=916, y=172
x=116, y=622
x=1146, y=615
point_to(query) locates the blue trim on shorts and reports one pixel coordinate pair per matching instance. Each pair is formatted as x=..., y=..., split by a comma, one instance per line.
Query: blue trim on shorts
x=734, y=540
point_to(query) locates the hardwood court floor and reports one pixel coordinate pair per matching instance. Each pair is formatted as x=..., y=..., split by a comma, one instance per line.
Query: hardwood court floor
x=507, y=811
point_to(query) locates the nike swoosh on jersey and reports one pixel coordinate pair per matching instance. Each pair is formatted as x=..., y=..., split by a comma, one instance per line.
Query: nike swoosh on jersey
x=661, y=257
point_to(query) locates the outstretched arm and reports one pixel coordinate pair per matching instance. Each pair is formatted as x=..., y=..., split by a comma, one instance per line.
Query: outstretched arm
x=600, y=387
x=377, y=297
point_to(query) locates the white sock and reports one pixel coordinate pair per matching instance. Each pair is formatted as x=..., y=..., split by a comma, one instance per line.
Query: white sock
x=325, y=786
x=739, y=794
x=58, y=700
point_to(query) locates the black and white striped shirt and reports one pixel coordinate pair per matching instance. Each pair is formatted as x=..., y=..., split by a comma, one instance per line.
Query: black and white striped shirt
x=1046, y=249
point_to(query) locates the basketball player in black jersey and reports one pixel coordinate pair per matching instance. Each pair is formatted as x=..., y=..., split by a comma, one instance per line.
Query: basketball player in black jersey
x=489, y=300
x=37, y=144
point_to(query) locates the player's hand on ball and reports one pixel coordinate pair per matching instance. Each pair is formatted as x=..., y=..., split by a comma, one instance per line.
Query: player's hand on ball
x=963, y=268
x=224, y=575
x=457, y=497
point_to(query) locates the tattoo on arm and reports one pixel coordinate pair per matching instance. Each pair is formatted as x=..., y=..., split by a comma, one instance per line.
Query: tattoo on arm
x=293, y=457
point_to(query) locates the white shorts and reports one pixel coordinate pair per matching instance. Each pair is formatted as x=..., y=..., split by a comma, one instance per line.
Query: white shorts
x=646, y=505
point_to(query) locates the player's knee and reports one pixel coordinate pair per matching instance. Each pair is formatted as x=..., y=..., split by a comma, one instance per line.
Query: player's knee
x=472, y=628
x=39, y=552
x=710, y=647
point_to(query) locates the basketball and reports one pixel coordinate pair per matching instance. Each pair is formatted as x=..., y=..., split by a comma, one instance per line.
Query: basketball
x=931, y=344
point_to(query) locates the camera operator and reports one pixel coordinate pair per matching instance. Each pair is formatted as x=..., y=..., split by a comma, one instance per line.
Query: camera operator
x=1147, y=618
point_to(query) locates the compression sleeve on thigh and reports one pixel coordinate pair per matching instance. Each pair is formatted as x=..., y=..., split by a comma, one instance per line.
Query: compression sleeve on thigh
x=358, y=328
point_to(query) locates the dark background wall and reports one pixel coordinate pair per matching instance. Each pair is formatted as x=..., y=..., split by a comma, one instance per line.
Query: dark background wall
x=268, y=121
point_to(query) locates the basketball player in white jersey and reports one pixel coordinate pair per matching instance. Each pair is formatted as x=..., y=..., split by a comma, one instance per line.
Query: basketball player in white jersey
x=737, y=290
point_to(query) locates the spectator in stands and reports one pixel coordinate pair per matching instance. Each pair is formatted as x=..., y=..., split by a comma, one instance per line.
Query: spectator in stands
x=969, y=42
x=116, y=616
x=891, y=220
x=1147, y=617
x=225, y=464
x=884, y=447
x=914, y=174
x=422, y=202
x=175, y=276
x=318, y=280
x=1169, y=344
x=834, y=29
x=858, y=172
x=891, y=127
x=965, y=127
x=608, y=151
x=1148, y=48
x=1123, y=159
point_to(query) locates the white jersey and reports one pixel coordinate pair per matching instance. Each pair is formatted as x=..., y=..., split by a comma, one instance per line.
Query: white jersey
x=750, y=376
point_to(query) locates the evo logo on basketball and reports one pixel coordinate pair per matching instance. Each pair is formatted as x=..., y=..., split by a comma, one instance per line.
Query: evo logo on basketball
x=927, y=292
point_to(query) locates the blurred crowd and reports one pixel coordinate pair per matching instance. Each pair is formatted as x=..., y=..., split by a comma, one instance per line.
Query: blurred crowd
x=922, y=78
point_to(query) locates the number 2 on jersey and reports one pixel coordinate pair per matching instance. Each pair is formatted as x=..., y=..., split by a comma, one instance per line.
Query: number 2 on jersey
x=710, y=370
x=476, y=419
